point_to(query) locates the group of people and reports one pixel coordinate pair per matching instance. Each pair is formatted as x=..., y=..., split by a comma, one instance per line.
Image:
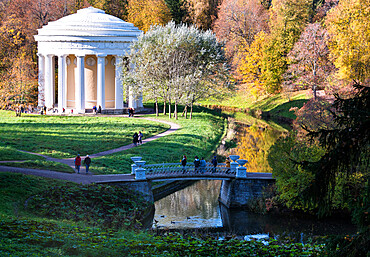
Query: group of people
x=131, y=112
x=137, y=138
x=86, y=162
x=96, y=110
x=200, y=164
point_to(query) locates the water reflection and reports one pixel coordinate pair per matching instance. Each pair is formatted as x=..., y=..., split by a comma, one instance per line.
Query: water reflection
x=254, y=141
x=197, y=206
x=192, y=207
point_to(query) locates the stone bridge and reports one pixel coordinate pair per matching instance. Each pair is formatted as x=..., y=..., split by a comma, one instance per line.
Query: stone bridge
x=237, y=189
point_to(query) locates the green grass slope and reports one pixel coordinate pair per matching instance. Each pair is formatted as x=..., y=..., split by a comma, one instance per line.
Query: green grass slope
x=66, y=136
x=198, y=136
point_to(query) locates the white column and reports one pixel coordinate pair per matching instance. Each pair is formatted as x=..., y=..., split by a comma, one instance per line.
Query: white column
x=101, y=83
x=41, y=88
x=62, y=78
x=80, y=85
x=52, y=81
x=118, y=84
x=49, y=81
x=131, y=94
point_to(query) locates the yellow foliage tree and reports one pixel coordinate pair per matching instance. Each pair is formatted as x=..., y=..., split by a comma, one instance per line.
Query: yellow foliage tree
x=349, y=26
x=144, y=13
x=250, y=64
x=20, y=85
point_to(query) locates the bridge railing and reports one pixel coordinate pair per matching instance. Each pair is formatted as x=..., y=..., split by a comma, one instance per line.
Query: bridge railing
x=165, y=167
x=191, y=170
x=140, y=169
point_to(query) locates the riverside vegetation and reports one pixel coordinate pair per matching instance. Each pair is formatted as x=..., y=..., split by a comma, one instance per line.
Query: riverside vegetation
x=44, y=217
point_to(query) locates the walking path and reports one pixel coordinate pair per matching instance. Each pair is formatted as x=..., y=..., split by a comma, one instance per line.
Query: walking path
x=88, y=178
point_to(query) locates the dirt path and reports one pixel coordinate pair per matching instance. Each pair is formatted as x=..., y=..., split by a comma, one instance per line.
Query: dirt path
x=88, y=178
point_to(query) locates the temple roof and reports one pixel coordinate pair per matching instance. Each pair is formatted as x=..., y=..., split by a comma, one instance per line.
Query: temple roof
x=88, y=24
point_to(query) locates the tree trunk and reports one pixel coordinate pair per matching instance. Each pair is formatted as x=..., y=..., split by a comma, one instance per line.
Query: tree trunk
x=191, y=110
x=175, y=112
x=169, y=110
x=184, y=111
x=156, y=107
x=164, y=107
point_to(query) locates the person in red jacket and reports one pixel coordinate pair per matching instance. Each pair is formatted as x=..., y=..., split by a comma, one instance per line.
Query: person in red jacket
x=78, y=163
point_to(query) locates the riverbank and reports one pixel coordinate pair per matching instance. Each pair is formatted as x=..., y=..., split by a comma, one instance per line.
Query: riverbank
x=24, y=232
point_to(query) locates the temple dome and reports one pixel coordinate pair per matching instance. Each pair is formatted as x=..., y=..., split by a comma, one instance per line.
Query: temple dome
x=89, y=22
x=89, y=31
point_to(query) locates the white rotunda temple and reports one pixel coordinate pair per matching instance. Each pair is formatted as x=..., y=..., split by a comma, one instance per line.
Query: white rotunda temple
x=90, y=46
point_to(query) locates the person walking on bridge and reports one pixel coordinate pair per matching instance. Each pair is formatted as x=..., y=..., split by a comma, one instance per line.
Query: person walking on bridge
x=183, y=163
x=214, y=162
x=203, y=165
x=196, y=164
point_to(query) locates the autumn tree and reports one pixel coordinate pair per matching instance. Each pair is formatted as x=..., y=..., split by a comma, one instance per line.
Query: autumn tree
x=201, y=13
x=145, y=13
x=116, y=8
x=177, y=9
x=239, y=21
x=250, y=65
x=19, y=22
x=288, y=18
x=309, y=60
x=349, y=28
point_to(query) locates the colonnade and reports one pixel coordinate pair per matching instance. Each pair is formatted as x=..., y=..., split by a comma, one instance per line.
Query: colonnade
x=47, y=81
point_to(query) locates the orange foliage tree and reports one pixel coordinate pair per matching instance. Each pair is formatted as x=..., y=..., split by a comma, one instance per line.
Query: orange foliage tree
x=145, y=13
x=201, y=13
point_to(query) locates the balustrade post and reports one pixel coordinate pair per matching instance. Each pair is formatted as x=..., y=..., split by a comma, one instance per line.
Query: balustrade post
x=133, y=168
x=233, y=166
x=140, y=174
x=241, y=172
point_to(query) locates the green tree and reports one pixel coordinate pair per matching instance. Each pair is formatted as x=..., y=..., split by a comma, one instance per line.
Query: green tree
x=177, y=63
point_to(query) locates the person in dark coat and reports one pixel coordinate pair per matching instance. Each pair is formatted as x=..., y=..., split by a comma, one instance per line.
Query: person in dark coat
x=135, y=138
x=78, y=163
x=196, y=163
x=87, y=162
x=183, y=162
x=214, y=163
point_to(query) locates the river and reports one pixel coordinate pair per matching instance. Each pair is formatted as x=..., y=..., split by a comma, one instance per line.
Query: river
x=197, y=206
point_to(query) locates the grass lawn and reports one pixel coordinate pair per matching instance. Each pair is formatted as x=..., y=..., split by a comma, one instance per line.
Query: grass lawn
x=277, y=105
x=199, y=136
x=8, y=153
x=41, y=165
x=66, y=136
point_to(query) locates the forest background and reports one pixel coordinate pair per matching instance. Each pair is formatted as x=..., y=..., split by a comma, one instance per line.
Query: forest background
x=273, y=46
